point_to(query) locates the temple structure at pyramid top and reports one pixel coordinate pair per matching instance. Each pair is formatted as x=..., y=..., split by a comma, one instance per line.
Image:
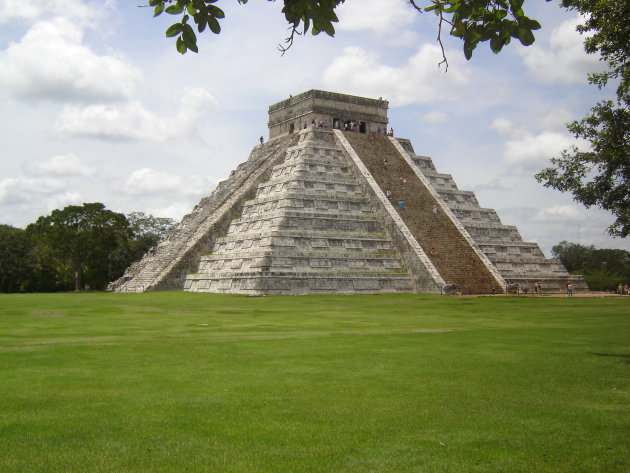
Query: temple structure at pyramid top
x=329, y=109
x=332, y=203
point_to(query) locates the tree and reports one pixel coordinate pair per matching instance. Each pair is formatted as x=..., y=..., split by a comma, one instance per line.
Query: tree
x=15, y=259
x=147, y=231
x=78, y=241
x=603, y=269
x=473, y=21
x=601, y=175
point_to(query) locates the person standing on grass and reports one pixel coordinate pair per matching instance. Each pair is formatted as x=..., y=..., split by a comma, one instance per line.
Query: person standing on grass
x=569, y=289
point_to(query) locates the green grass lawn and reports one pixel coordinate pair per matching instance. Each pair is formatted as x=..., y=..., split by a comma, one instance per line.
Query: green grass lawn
x=179, y=382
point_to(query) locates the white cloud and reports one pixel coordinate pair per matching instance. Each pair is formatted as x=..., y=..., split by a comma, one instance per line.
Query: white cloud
x=35, y=9
x=418, y=81
x=556, y=118
x=23, y=198
x=61, y=165
x=132, y=121
x=148, y=181
x=559, y=213
x=59, y=201
x=51, y=62
x=174, y=211
x=525, y=151
x=434, y=118
x=388, y=20
x=21, y=188
x=563, y=59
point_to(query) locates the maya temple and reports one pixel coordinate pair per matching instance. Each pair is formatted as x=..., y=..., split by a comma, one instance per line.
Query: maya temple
x=332, y=204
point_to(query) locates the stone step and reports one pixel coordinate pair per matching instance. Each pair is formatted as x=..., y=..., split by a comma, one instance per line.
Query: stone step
x=446, y=247
x=301, y=283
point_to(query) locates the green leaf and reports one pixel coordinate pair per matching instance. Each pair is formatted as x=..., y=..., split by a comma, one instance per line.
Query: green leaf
x=201, y=21
x=174, y=30
x=496, y=44
x=216, y=11
x=180, y=45
x=529, y=23
x=214, y=25
x=191, y=9
x=189, y=37
x=159, y=8
x=174, y=9
x=525, y=36
x=469, y=47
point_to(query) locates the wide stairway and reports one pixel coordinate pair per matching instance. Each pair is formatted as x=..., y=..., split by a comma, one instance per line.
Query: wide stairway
x=441, y=240
x=308, y=230
x=165, y=266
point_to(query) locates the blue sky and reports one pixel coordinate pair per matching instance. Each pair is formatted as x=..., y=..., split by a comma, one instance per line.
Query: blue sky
x=98, y=106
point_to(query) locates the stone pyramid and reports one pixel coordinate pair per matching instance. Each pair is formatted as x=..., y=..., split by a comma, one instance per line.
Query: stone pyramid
x=331, y=204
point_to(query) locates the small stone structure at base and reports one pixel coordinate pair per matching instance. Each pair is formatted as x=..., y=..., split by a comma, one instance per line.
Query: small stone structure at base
x=331, y=204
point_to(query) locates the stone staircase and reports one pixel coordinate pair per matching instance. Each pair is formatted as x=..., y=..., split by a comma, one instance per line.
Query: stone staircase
x=449, y=249
x=166, y=265
x=310, y=228
x=520, y=263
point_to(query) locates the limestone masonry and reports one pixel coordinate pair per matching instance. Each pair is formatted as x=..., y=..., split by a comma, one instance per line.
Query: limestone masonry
x=331, y=204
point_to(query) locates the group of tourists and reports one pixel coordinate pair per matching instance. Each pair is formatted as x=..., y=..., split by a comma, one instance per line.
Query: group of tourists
x=349, y=125
x=623, y=289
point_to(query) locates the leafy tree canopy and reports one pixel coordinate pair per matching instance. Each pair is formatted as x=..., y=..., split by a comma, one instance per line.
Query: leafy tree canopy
x=473, y=21
x=601, y=175
x=142, y=225
x=147, y=231
x=603, y=269
x=79, y=239
x=15, y=261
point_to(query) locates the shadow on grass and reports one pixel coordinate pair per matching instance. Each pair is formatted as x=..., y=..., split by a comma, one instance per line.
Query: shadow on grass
x=615, y=355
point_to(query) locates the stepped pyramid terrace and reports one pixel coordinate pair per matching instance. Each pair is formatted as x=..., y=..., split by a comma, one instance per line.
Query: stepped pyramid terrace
x=332, y=204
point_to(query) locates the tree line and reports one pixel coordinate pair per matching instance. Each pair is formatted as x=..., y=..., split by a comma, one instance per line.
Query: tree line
x=75, y=248
x=88, y=246
x=603, y=269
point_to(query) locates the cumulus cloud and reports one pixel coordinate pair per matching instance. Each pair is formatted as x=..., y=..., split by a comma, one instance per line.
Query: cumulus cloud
x=174, y=211
x=132, y=121
x=418, y=81
x=148, y=181
x=563, y=59
x=558, y=213
x=11, y=10
x=492, y=185
x=24, y=198
x=434, y=118
x=528, y=151
x=388, y=20
x=51, y=62
x=61, y=165
x=24, y=188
